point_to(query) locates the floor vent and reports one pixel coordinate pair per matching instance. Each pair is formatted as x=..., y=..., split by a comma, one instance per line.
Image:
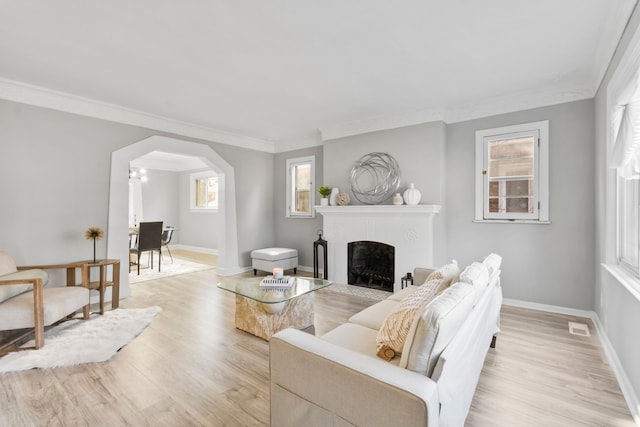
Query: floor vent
x=579, y=329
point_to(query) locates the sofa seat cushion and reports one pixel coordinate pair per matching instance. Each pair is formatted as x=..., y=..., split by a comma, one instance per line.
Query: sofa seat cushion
x=373, y=317
x=9, y=291
x=435, y=326
x=400, y=295
x=355, y=337
x=17, y=312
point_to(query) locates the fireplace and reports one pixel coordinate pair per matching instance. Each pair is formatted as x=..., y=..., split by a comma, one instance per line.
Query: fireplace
x=408, y=228
x=371, y=265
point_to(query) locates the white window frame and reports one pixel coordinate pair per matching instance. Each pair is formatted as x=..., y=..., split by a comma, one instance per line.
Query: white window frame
x=193, y=177
x=290, y=164
x=619, y=92
x=539, y=130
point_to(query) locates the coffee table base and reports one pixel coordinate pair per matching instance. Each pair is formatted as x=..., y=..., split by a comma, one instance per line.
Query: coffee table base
x=255, y=317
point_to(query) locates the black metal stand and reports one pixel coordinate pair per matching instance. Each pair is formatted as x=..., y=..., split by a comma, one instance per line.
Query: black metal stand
x=406, y=281
x=316, y=244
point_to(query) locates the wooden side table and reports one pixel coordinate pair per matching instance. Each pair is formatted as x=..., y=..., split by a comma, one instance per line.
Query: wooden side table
x=102, y=283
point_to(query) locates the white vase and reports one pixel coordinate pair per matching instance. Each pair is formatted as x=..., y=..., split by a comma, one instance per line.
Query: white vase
x=397, y=199
x=324, y=201
x=412, y=195
x=332, y=197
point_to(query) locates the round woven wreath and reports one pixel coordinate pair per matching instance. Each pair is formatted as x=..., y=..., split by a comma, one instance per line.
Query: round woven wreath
x=374, y=178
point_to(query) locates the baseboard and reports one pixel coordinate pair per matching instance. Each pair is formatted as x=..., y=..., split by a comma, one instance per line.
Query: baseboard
x=550, y=308
x=196, y=249
x=610, y=353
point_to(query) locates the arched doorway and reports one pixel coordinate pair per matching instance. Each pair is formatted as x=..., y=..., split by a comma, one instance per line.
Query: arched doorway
x=117, y=234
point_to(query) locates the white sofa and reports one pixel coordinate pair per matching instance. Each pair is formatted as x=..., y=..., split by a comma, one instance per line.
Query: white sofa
x=337, y=379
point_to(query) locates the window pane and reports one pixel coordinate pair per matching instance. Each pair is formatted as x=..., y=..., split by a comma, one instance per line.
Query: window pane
x=201, y=190
x=517, y=147
x=302, y=191
x=511, y=157
x=629, y=219
x=212, y=192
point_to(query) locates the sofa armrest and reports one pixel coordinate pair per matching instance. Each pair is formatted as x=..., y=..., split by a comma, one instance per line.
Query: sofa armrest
x=315, y=382
x=420, y=274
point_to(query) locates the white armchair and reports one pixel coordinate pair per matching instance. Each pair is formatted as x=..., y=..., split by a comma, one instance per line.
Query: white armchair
x=25, y=302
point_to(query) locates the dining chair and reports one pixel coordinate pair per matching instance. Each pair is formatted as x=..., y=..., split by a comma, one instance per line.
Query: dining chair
x=166, y=238
x=149, y=240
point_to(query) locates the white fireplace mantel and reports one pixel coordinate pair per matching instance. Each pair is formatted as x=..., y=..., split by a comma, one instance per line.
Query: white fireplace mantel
x=408, y=228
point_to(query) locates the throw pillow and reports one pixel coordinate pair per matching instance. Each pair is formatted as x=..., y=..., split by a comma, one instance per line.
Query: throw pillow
x=448, y=272
x=395, y=328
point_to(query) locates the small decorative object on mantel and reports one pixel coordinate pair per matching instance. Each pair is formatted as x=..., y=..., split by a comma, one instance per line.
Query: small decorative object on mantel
x=325, y=192
x=332, y=197
x=397, y=199
x=342, y=199
x=94, y=233
x=412, y=195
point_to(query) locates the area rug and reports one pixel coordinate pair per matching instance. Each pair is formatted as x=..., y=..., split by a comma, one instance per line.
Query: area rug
x=359, y=291
x=178, y=266
x=82, y=341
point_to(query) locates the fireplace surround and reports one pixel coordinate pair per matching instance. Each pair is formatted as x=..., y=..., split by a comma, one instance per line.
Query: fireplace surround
x=409, y=229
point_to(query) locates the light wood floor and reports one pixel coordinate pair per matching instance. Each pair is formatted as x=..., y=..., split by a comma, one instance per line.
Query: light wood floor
x=192, y=367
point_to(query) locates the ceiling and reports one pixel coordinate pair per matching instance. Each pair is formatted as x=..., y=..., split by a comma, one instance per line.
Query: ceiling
x=290, y=73
x=160, y=160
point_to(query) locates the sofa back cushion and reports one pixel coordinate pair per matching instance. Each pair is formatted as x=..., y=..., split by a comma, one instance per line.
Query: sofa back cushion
x=435, y=326
x=396, y=326
x=476, y=275
x=492, y=262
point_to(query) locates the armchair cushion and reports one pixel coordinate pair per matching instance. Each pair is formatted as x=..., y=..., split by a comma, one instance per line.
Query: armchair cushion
x=17, y=312
x=9, y=291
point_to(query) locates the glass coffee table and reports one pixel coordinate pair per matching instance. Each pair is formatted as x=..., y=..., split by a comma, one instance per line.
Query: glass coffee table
x=263, y=312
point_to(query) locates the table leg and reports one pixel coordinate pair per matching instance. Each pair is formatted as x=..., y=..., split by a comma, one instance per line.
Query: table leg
x=115, y=289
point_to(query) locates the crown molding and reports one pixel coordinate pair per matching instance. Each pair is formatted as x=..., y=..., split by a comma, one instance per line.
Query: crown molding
x=24, y=93
x=517, y=102
x=299, y=142
x=380, y=123
x=462, y=112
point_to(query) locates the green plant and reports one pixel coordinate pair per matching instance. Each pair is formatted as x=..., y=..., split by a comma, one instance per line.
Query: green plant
x=324, y=191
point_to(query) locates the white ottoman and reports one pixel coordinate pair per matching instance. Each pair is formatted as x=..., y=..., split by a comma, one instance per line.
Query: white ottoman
x=269, y=258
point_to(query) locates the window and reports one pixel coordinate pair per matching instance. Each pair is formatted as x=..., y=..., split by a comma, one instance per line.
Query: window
x=512, y=168
x=300, y=193
x=204, y=191
x=625, y=160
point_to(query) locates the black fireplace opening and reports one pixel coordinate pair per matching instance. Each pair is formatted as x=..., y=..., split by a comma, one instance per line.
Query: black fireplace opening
x=371, y=265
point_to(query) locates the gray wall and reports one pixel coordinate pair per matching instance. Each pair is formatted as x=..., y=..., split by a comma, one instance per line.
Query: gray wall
x=296, y=233
x=420, y=153
x=160, y=198
x=197, y=229
x=546, y=264
x=617, y=308
x=55, y=175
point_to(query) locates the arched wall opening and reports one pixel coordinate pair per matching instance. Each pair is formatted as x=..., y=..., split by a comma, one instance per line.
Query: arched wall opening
x=118, y=222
